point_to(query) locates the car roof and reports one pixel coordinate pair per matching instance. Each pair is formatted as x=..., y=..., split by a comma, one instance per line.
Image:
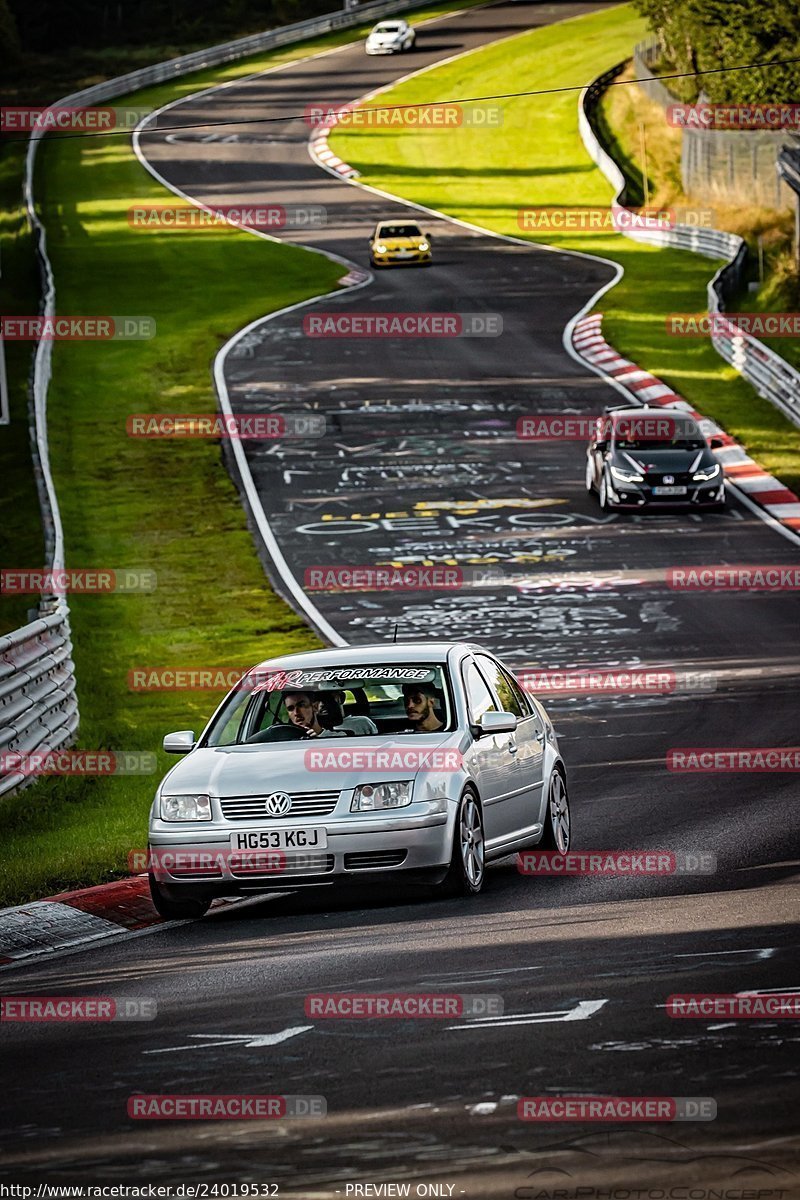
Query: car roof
x=624, y=410
x=382, y=652
x=398, y=221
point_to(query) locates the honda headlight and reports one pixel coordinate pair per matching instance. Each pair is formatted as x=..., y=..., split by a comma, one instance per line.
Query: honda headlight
x=380, y=248
x=186, y=808
x=626, y=476
x=706, y=473
x=424, y=246
x=369, y=797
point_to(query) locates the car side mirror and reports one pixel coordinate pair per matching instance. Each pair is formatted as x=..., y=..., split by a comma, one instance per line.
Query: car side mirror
x=498, y=722
x=716, y=443
x=181, y=742
x=428, y=237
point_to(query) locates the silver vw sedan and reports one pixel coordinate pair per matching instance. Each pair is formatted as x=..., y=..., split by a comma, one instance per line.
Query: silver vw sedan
x=418, y=762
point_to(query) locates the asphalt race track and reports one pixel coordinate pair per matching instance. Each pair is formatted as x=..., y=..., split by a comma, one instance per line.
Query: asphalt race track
x=421, y=463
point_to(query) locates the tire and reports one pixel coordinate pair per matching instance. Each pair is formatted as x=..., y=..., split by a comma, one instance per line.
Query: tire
x=589, y=476
x=467, y=871
x=192, y=908
x=557, y=825
x=604, y=502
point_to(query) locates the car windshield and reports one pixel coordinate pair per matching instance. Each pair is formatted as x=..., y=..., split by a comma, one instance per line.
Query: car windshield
x=387, y=29
x=391, y=231
x=277, y=707
x=657, y=431
x=650, y=444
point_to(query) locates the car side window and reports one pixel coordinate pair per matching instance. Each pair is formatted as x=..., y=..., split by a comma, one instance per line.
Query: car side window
x=522, y=700
x=506, y=689
x=479, y=698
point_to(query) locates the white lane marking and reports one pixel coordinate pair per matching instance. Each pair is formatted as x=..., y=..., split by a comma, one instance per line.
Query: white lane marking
x=761, y=951
x=582, y=1011
x=779, y=991
x=235, y=1039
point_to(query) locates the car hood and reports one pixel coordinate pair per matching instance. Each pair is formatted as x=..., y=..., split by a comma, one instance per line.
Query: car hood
x=659, y=462
x=260, y=769
x=400, y=243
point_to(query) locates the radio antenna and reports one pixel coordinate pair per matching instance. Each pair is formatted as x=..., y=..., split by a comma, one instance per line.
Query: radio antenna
x=394, y=638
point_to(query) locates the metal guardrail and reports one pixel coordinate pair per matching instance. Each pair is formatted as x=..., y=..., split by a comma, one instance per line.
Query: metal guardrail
x=38, y=705
x=772, y=377
x=38, y=700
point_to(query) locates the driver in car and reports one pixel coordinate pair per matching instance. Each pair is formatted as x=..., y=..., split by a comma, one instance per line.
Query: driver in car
x=421, y=701
x=303, y=709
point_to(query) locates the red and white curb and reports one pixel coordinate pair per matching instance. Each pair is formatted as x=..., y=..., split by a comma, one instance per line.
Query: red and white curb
x=322, y=154
x=74, y=919
x=743, y=472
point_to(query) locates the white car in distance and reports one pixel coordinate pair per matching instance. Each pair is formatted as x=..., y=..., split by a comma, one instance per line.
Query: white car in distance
x=391, y=37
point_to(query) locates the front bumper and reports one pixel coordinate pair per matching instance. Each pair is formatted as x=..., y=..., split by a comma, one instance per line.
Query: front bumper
x=698, y=495
x=359, y=849
x=393, y=256
x=383, y=49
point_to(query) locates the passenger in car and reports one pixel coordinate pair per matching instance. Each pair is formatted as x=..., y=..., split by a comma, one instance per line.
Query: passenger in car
x=332, y=716
x=304, y=711
x=421, y=701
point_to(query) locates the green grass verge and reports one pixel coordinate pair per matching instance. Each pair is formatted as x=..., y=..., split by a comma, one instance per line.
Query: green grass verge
x=536, y=158
x=166, y=506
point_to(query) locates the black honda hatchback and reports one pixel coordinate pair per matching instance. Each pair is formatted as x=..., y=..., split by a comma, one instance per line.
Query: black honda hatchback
x=648, y=457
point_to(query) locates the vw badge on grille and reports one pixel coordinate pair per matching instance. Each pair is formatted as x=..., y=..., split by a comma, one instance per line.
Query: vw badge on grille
x=278, y=804
x=669, y=479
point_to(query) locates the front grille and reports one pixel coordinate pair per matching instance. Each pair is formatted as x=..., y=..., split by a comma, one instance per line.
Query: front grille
x=212, y=872
x=366, y=860
x=677, y=481
x=304, y=804
x=296, y=864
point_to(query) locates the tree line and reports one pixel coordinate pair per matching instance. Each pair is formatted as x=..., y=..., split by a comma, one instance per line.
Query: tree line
x=706, y=35
x=51, y=25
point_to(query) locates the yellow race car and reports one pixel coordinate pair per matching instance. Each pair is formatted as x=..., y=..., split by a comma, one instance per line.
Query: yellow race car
x=399, y=242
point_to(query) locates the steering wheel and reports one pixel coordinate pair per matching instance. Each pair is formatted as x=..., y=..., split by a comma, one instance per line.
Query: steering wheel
x=277, y=733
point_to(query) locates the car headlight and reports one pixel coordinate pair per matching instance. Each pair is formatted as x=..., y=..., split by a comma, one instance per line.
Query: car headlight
x=424, y=246
x=706, y=474
x=369, y=797
x=626, y=476
x=185, y=808
x=380, y=248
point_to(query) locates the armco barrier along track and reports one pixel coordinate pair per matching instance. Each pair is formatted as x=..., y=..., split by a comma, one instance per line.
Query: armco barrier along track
x=38, y=705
